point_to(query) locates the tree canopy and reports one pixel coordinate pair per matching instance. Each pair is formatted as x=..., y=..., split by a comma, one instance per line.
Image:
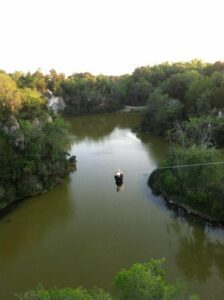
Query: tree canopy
x=145, y=281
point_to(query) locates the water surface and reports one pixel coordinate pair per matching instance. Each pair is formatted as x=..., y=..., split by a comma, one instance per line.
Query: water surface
x=83, y=231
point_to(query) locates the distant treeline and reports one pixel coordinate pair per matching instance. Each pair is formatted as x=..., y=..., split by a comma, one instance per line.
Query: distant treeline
x=187, y=88
x=186, y=106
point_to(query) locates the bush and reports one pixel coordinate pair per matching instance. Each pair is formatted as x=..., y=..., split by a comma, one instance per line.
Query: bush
x=200, y=187
x=145, y=281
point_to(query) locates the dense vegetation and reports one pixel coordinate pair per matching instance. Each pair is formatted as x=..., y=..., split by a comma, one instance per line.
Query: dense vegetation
x=187, y=107
x=170, y=91
x=199, y=187
x=184, y=101
x=32, y=156
x=142, y=281
x=184, y=91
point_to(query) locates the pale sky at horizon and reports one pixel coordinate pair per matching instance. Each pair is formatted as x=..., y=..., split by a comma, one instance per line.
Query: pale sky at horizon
x=110, y=37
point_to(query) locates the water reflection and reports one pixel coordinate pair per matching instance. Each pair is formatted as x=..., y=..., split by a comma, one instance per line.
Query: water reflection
x=98, y=127
x=83, y=232
x=33, y=221
x=156, y=146
x=96, y=130
x=120, y=188
x=119, y=180
x=197, y=254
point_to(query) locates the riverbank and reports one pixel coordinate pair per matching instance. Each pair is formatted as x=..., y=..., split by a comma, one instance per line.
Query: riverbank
x=176, y=196
x=133, y=109
x=54, y=180
x=94, y=230
x=190, y=211
x=33, y=140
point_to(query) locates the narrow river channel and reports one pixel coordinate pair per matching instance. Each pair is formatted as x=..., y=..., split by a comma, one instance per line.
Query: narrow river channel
x=83, y=232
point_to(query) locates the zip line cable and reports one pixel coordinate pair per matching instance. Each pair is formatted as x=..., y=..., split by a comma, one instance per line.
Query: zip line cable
x=191, y=165
x=179, y=166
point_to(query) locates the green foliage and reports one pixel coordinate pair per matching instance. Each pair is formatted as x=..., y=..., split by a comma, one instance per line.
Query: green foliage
x=10, y=96
x=54, y=82
x=142, y=281
x=162, y=112
x=185, y=98
x=64, y=294
x=193, y=143
x=32, y=102
x=139, y=87
x=34, y=81
x=187, y=102
x=39, y=82
x=37, y=163
x=84, y=93
x=199, y=87
x=148, y=281
x=176, y=86
x=217, y=90
x=202, y=131
x=32, y=156
x=198, y=95
x=199, y=187
x=145, y=281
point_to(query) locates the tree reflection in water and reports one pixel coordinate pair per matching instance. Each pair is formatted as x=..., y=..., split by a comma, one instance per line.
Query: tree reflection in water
x=198, y=255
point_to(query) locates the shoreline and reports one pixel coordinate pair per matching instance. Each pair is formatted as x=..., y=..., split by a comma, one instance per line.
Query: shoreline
x=194, y=212
x=13, y=205
x=129, y=108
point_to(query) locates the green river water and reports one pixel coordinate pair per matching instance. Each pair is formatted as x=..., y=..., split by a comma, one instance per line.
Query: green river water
x=83, y=231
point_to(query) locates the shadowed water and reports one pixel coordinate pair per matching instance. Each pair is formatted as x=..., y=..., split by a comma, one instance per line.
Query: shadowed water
x=84, y=231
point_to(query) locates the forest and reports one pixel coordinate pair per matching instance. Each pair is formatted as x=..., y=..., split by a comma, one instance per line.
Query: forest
x=32, y=154
x=184, y=104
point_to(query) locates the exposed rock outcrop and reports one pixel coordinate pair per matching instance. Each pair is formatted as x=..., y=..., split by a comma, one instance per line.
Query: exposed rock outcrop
x=54, y=102
x=31, y=161
x=12, y=128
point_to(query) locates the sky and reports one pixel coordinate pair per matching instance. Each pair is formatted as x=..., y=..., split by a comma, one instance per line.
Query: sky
x=110, y=37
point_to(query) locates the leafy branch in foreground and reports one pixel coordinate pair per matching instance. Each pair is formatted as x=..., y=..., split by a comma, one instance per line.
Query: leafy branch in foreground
x=145, y=281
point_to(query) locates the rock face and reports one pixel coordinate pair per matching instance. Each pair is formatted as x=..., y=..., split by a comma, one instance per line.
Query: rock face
x=18, y=140
x=55, y=103
x=41, y=122
x=12, y=128
x=31, y=162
